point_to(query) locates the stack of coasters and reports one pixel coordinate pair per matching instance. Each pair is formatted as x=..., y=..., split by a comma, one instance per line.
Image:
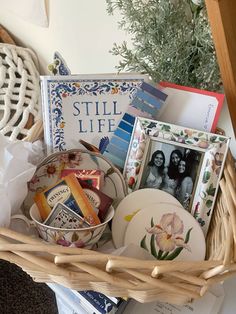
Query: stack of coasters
x=69, y=192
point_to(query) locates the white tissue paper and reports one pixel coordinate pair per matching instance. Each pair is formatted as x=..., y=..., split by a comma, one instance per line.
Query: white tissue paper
x=18, y=161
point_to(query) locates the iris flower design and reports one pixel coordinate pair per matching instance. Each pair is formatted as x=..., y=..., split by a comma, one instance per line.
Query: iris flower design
x=78, y=244
x=168, y=233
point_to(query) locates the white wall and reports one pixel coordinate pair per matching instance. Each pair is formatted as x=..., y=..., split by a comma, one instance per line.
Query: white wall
x=81, y=30
x=83, y=33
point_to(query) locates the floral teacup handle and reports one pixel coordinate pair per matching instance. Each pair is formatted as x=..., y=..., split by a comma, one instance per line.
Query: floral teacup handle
x=30, y=223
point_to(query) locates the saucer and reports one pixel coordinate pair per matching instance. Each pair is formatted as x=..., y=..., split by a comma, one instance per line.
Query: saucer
x=168, y=232
x=131, y=204
x=48, y=173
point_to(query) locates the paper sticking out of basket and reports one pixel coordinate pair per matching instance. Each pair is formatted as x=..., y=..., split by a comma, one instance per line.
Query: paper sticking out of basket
x=16, y=170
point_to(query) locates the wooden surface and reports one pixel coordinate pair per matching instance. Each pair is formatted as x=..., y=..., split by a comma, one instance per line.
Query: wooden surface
x=5, y=37
x=222, y=17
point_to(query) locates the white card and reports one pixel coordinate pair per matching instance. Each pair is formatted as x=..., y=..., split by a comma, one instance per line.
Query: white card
x=191, y=107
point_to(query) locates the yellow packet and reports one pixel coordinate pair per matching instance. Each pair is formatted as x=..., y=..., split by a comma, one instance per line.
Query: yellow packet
x=69, y=192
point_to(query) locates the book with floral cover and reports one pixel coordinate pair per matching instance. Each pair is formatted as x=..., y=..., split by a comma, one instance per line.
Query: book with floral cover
x=85, y=107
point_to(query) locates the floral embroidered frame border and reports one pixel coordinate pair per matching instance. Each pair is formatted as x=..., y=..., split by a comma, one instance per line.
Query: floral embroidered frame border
x=206, y=153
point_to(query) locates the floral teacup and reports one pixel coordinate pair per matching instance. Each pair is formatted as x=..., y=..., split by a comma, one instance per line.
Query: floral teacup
x=81, y=238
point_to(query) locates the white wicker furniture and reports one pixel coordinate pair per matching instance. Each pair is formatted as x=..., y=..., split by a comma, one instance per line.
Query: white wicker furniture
x=19, y=93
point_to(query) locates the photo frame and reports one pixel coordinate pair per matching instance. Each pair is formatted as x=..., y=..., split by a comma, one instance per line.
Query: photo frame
x=210, y=152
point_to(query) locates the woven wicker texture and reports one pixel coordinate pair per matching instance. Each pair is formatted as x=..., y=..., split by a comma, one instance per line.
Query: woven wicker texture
x=80, y=269
x=176, y=282
x=19, y=92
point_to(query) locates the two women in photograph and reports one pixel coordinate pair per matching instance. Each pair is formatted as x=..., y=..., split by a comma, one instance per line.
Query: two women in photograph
x=174, y=179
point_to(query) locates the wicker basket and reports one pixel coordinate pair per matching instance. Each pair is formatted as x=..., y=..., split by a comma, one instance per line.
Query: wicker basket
x=145, y=281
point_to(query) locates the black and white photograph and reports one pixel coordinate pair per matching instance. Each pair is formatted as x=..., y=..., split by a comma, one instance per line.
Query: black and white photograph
x=173, y=169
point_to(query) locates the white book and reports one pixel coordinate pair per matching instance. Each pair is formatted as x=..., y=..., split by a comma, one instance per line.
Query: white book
x=67, y=300
x=85, y=107
x=113, y=299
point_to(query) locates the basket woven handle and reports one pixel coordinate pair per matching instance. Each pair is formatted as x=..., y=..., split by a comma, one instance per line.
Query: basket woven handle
x=5, y=37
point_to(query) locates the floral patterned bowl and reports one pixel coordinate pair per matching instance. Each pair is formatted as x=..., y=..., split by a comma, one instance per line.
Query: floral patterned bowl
x=81, y=238
x=49, y=170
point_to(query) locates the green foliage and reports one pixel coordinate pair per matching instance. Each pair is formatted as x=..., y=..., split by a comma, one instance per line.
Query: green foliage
x=178, y=250
x=206, y=177
x=143, y=243
x=171, y=41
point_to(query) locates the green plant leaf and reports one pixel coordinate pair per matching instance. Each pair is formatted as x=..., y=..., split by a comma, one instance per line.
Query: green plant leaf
x=153, y=247
x=143, y=243
x=222, y=139
x=164, y=256
x=174, y=254
x=200, y=134
x=187, y=237
x=211, y=190
x=152, y=222
x=175, y=134
x=178, y=250
x=165, y=127
x=213, y=138
x=160, y=252
x=195, y=64
x=209, y=203
x=206, y=176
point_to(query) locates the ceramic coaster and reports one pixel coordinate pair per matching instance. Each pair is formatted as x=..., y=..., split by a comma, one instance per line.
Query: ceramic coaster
x=131, y=204
x=167, y=232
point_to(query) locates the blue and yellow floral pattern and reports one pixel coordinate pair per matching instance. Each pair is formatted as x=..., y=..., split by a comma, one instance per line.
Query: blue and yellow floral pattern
x=58, y=91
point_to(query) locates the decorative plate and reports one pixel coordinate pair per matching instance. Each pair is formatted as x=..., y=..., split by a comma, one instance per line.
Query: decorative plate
x=48, y=173
x=167, y=232
x=131, y=204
